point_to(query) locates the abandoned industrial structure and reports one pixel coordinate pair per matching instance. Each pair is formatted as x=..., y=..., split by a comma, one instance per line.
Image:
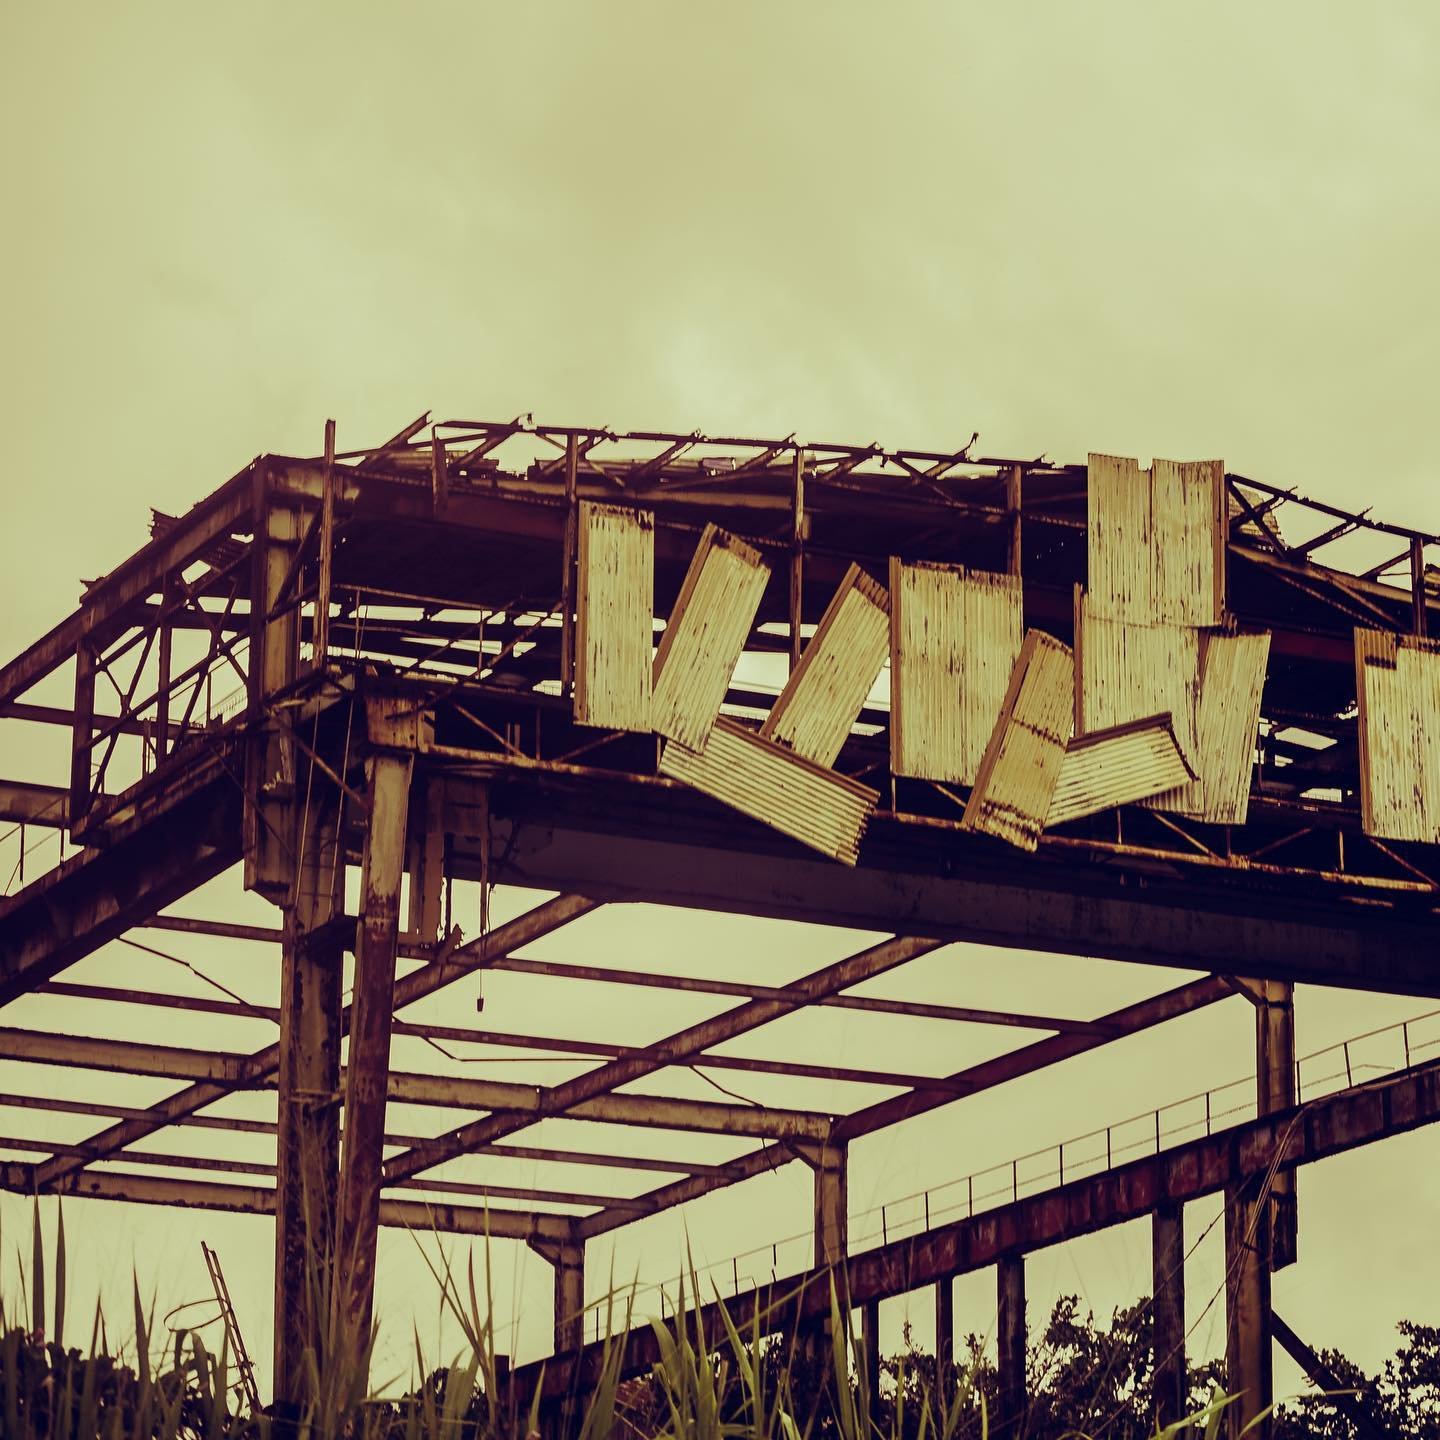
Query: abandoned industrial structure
x=1088, y=709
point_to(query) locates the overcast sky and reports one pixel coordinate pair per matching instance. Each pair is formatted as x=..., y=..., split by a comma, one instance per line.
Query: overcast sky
x=1122, y=227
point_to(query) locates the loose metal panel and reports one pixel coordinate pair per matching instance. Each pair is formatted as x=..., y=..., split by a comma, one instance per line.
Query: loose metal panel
x=1398, y=686
x=954, y=638
x=705, y=636
x=1187, y=524
x=1156, y=551
x=759, y=778
x=1022, y=762
x=826, y=690
x=1117, y=767
x=1227, y=723
x=1130, y=672
x=615, y=617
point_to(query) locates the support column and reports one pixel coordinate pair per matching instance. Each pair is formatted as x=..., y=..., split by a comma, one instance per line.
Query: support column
x=1010, y=1328
x=426, y=864
x=1247, y=1312
x=308, y=1133
x=1171, y=1387
x=944, y=1337
x=371, y=1014
x=568, y=1259
x=870, y=1345
x=1276, y=1084
x=832, y=1214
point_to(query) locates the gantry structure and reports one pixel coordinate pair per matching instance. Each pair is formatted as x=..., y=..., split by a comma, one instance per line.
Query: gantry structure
x=1156, y=715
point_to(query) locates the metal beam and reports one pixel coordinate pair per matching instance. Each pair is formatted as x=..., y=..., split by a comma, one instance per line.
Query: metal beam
x=604, y=1079
x=1248, y=1340
x=1319, y=1374
x=99, y=894
x=1170, y=1384
x=1243, y=1154
x=218, y=1073
x=927, y=876
x=982, y=1076
x=255, y=1069
x=1010, y=1327
x=260, y=1200
x=28, y=804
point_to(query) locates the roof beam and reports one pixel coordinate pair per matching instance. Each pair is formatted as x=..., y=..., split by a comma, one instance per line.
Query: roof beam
x=520, y=1105
x=595, y=1087
x=971, y=1081
x=29, y=804
x=259, y=1200
x=543, y=920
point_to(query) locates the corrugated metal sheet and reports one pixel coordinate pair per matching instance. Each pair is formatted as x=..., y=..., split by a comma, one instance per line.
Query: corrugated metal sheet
x=1130, y=672
x=1117, y=767
x=614, y=617
x=1022, y=762
x=1157, y=540
x=1227, y=725
x=1398, y=685
x=954, y=638
x=761, y=779
x=705, y=636
x=824, y=694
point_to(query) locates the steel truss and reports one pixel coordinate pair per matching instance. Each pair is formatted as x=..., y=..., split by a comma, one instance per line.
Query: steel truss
x=365, y=660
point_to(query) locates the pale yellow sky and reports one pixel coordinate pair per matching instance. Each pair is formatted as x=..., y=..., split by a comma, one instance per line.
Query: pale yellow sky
x=1125, y=227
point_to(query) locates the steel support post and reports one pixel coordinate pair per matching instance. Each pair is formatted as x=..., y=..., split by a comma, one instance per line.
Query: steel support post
x=828, y=1164
x=1171, y=1383
x=1276, y=1087
x=1247, y=1310
x=371, y=1013
x=870, y=1356
x=426, y=864
x=308, y=1133
x=1010, y=1327
x=567, y=1258
x=944, y=1338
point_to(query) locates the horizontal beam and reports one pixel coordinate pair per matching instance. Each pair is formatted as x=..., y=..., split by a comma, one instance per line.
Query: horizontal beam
x=97, y=895
x=1233, y=1157
x=629, y=840
x=530, y=1154
x=260, y=1200
x=168, y=1160
x=29, y=804
x=461, y=1092
x=550, y=1045
x=985, y=1075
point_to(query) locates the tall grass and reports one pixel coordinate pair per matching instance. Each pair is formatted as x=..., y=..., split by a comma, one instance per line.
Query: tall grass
x=739, y=1385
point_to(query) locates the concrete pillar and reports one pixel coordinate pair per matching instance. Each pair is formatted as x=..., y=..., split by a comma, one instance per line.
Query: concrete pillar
x=832, y=1218
x=1247, y=1312
x=944, y=1337
x=371, y=1014
x=1171, y=1379
x=567, y=1257
x=1010, y=1331
x=1276, y=1083
x=308, y=1133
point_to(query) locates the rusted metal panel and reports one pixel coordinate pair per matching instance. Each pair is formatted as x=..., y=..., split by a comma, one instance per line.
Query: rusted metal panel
x=1187, y=526
x=826, y=690
x=816, y=806
x=955, y=635
x=1227, y=724
x=1117, y=767
x=1397, y=682
x=615, y=617
x=1022, y=761
x=1128, y=672
x=1157, y=540
x=705, y=636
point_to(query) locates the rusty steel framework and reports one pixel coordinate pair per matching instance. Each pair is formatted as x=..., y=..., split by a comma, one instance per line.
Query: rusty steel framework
x=369, y=660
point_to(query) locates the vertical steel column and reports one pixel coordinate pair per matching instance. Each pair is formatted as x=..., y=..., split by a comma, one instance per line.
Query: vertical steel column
x=1010, y=1325
x=371, y=1014
x=1013, y=492
x=944, y=1337
x=307, y=1146
x=83, y=723
x=1171, y=1384
x=870, y=1345
x=1418, y=600
x=427, y=864
x=325, y=580
x=1247, y=1312
x=568, y=560
x=1275, y=1081
x=568, y=1259
x=832, y=1218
